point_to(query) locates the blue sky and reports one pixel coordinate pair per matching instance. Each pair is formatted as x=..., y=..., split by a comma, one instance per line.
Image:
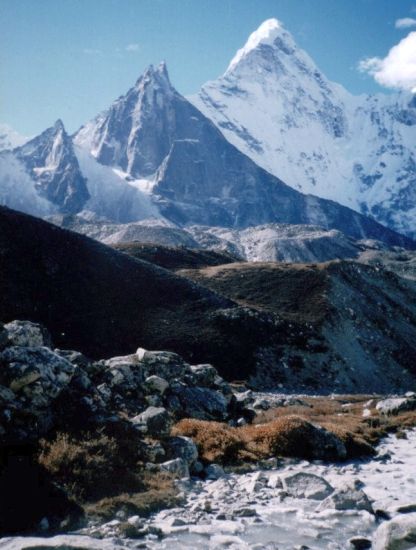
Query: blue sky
x=70, y=58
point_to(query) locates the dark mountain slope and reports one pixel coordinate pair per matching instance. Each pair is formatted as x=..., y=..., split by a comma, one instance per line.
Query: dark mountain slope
x=92, y=297
x=359, y=321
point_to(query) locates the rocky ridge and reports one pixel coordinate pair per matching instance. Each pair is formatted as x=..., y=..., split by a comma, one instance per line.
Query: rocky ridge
x=263, y=243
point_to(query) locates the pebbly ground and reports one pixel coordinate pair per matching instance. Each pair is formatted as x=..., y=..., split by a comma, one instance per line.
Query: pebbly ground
x=275, y=509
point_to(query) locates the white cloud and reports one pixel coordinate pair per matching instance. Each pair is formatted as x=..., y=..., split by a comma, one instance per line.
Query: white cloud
x=132, y=48
x=398, y=68
x=92, y=51
x=405, y=23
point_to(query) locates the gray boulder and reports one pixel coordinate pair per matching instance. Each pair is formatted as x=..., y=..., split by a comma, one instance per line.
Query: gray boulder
x=35, y=373
x=26, y=333
x=359, y=543
x=348, y=497
x=151, y=451
x=156, y=384
x=181, y=447
x=31, y=379
x=304, y=485
x=204, y=375
x=167, y=365
x=178, y=467
x=201, y=403
x=396, y=534
x=156, y=421
x=214, y=471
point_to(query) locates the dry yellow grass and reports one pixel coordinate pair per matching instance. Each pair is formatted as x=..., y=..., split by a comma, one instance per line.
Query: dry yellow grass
x=217, y=442
x=100, y=473
x=286, y=436
x=286, y=431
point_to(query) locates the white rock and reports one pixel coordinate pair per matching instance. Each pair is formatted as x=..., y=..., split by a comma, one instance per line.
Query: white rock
x=396, y=534
x=140, y=353
x=157, y=384
x=26, y=333
x=347, y=497
x=304, y=485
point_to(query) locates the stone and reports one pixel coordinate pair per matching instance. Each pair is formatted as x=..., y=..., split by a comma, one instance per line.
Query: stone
x=244, y=398
x=197, y=468
x=245, y=512
x=200, y=403
x=154, y=400
x=181, y=447
x=28, y=334
x=406, y=508
x=156, y=384
x=38, y=372
x=359, y=543
x=177, y=467
x=166, y=364
x=204, y=375
x=261, y=404
x=305, y=485
x=136, y=521
x=394, y=405
x=347, y=497
x=151, y=451
x=75, y=357
x=214, y=471
x=397, y=534
x=157, y=421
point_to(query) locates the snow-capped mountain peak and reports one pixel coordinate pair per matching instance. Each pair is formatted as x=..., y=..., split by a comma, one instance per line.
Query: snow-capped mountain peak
x=276, y=106
x=155, y=77
x=50, y=160
x=118, y=137
x=266, y=34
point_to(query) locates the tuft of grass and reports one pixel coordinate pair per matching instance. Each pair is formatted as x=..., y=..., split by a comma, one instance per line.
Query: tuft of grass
x=87, y=466
x=216, y=442
x=158, y=493
x=290, y=436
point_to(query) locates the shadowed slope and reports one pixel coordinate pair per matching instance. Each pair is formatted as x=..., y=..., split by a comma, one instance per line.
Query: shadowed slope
x=92, y=297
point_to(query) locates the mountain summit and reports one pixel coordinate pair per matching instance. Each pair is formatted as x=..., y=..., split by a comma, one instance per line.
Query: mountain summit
x=154, y=154
x=120, y=136
x=163, y=144
x=277, y=107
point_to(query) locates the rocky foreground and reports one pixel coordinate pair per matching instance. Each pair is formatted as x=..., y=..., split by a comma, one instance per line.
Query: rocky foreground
x=101, y=448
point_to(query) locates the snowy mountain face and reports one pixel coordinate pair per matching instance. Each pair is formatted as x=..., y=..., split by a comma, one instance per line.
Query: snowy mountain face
x=276, y=106
x=153, y=154
x=49, y=174
x=159, y=142
x=9, y=138
x=50, y=161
